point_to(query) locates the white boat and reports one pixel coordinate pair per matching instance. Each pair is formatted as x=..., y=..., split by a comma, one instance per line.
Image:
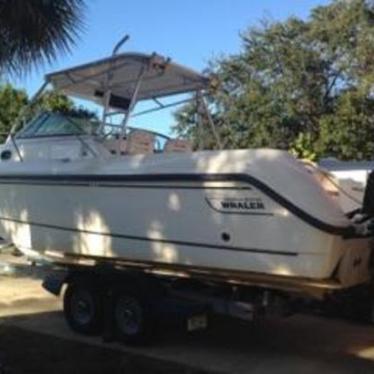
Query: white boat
x=71, y=189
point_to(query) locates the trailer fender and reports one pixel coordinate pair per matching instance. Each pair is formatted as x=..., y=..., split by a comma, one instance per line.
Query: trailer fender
x=54, y=282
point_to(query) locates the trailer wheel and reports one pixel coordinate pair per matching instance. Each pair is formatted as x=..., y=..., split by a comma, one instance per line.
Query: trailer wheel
x=83, y=308
x=133, y=318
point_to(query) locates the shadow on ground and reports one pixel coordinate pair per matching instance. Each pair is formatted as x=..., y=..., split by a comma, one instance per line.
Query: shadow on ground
x=29, y=352
x=42, y=343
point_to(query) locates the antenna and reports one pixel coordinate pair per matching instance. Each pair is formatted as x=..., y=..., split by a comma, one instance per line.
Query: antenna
x=120, y=44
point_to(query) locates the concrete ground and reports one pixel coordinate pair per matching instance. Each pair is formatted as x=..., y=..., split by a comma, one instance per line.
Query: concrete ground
x=298, y=344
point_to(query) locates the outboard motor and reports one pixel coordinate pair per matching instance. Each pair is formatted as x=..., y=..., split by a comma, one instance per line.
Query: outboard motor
x=368, y=209
x=368, y=204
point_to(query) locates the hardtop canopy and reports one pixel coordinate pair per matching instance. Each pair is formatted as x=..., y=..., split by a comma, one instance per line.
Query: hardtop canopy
x=120, y=74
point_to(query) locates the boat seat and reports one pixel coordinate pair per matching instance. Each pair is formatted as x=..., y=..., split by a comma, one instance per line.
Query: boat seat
x=178, y=145
x=112, y=146
x=140, y=142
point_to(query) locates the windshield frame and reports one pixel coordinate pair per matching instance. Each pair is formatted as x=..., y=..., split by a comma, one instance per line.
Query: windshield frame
x=22, y=133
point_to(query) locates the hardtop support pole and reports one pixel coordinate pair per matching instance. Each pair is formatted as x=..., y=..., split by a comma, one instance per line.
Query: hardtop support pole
x=199, y=122
x=107, y=90
x=200, y=98
x=19, y=118
x=11, y=137
x=131, y=106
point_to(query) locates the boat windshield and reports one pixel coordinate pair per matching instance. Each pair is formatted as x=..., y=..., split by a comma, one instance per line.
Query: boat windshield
x=58, y=124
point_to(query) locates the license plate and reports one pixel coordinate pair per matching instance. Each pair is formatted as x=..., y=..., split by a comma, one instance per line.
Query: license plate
x=197, y=323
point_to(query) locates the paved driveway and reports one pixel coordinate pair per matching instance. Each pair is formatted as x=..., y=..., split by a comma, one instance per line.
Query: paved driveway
x=300, y=344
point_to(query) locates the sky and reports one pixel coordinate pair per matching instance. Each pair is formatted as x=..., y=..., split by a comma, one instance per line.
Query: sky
x=191, y=32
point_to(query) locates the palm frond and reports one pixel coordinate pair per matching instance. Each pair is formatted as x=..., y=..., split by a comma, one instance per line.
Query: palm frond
x=37, y=31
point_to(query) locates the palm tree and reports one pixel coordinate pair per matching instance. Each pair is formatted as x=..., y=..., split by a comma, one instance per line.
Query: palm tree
x=36, y=31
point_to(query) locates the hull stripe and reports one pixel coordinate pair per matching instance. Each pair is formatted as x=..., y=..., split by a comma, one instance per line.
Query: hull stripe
x=94, y=180
x=142, y=238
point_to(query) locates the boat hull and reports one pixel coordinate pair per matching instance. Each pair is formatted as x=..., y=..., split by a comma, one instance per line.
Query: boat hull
x=220, y=224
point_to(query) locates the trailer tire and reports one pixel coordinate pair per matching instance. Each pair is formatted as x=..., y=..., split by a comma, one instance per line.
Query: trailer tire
x=133, y=317
x=83, y=308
